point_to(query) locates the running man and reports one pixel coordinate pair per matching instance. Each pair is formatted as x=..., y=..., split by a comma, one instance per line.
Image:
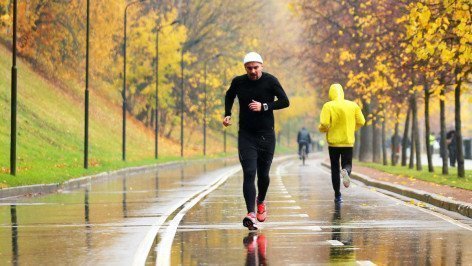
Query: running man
x=339, y=119
x=256, y=92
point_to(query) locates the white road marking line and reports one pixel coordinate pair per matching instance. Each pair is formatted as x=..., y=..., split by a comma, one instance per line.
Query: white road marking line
x=304, y=215
x=335, y=243
x=145, y=245
x=165, y=245
x=365, y=263
x=290, y=207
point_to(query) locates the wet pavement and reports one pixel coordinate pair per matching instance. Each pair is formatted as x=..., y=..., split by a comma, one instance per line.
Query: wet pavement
x=103, y=223
x=196, y=212
x=305, y=227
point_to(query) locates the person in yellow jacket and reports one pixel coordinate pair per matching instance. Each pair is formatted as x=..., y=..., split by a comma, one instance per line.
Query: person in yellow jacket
x=339, y=119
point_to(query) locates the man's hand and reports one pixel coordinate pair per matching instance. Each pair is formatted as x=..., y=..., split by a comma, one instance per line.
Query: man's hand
x=255, y=106
x=227, y=121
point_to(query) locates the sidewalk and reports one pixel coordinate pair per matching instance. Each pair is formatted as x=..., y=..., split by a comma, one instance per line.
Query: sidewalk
x=446, y=197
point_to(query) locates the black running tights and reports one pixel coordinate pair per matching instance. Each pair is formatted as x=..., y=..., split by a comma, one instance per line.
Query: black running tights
x=336, y=153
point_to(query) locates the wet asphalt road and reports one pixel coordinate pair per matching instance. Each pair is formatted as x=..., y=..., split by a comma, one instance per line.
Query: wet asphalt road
x=198, y=221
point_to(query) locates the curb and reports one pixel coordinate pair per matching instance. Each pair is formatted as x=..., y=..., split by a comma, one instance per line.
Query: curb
x=460, y=207
x=41, y=189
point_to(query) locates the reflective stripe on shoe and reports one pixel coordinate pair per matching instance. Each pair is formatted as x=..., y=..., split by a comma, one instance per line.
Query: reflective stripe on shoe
x=345, y=177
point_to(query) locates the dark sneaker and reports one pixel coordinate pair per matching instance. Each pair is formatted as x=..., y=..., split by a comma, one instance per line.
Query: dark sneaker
x=261, y=211
x=345, y=177
x=338, y=199
x=250, y=221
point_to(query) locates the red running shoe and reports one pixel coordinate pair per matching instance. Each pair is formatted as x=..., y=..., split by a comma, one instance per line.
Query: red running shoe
x=261, y=211
x=250, y=221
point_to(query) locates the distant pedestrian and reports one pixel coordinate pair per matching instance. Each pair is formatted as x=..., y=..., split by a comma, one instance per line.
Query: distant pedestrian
x=395, y=147
x=321, y=144
x=339, y=119
x=451, y=147
x=256, y=92
x=432, y=140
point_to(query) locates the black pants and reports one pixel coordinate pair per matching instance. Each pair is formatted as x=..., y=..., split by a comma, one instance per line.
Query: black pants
x=256, y=151
x=452, y=157
x=336, y=153
x=300, y=145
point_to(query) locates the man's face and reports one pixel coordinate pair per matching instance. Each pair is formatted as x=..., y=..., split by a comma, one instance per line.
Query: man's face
x=254, y=70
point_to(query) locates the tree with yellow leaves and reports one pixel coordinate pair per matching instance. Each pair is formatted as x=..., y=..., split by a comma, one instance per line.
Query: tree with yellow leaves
x=441, y=34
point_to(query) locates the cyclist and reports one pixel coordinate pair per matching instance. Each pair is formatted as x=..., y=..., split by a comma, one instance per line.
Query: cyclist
x=303, y=139
x=256, y=92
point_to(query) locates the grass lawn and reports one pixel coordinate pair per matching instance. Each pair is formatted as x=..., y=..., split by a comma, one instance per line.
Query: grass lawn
x=451, y=180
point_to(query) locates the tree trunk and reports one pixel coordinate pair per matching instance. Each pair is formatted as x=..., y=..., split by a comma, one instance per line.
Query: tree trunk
x=357, y=144
x=459, y=150
x=442, y=117
x=375, y=141
x=416, y=134
x=384, y=147
x=364, y=149
x=411, y=165
x=405, y=136
x=427, y=133
x=395, y=143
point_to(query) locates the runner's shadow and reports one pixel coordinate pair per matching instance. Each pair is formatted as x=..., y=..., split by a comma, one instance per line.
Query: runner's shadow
x=256, y=246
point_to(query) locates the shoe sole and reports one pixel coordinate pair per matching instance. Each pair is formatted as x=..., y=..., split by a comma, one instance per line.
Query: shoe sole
x=346, y=180
x=249, y=224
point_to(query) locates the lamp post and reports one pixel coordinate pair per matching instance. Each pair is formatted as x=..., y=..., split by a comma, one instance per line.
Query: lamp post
x=124, y=79
x=205, y=100
x=156, y=133
x=13, y=94
x=182, y=103
x=86, y=124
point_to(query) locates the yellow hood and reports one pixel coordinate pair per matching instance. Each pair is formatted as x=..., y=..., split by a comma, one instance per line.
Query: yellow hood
x=336, y=92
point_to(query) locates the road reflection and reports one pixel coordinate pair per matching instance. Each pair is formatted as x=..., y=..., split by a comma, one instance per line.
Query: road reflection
x=125, y=207
x=342, y=250
x=157, y=183
x=88, y=228
x=256, y=247
x=14, y=235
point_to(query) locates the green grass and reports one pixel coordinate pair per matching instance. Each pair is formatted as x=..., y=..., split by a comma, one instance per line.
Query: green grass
x=50, y=127
x=451, y=180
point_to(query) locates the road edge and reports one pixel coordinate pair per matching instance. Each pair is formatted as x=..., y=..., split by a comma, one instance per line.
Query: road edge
x=76, y=183
x=460, y=207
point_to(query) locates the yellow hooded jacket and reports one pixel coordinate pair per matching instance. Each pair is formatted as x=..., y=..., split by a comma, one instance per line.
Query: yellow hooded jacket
x=340, y=118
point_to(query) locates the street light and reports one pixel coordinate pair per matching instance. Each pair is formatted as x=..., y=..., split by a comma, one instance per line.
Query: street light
x=156, y=148
x=205, y=100
x=86, y=124
x=124, y=79
x=13, y=95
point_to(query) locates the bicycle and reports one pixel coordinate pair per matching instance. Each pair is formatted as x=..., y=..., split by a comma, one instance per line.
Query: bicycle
x=303, y=154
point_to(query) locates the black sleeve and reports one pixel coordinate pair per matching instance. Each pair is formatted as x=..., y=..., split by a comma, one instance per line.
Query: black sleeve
x=229, y=98
x=282, y=99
